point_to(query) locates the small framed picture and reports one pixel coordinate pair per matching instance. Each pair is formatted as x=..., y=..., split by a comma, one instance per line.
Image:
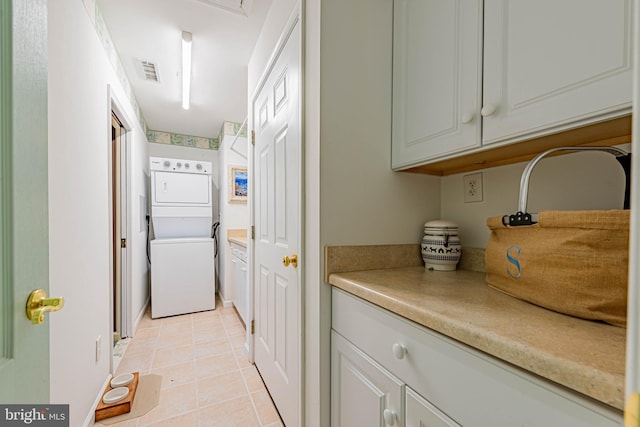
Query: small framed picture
x=238, y=184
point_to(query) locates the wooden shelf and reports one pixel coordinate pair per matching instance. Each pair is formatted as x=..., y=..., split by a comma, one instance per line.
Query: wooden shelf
x=611, y=132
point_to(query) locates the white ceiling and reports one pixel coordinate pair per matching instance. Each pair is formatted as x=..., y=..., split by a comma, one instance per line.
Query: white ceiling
x=223, y=40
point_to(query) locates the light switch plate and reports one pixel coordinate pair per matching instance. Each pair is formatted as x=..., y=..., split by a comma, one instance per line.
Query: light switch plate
x=472, y=185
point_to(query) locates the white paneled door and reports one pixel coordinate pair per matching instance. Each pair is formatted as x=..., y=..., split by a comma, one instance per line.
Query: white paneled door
x=276, y=178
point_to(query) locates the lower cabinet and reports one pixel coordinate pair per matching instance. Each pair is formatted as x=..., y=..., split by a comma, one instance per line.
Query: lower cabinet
x=388, y=371
x=364, y=394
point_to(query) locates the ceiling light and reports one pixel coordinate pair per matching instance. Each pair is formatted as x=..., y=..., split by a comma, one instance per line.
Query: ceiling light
x=186, y=68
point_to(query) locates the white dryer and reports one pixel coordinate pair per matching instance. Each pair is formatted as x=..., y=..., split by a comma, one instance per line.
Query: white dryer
x=181, y=198
x=182, y=252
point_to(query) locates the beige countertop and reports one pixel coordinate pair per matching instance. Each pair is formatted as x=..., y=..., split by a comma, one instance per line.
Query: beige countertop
x=237, y=236
x=586, y=356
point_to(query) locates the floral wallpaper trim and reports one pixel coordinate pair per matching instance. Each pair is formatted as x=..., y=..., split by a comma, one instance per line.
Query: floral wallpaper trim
x=231, y=128
x=183, y=140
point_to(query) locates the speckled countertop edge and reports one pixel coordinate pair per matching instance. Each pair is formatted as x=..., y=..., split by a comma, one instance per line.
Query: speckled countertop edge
x=237, y=236
x=585, y=356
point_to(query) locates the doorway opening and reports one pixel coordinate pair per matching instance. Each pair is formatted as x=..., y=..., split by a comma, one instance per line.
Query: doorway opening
x=118, y=224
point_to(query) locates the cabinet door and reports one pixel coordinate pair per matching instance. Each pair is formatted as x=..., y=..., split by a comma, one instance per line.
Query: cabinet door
x=436, y=78
x=421, y=413
x=553, y=65
x=363, y=393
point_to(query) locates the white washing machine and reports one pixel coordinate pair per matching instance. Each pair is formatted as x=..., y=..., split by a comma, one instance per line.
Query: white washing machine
x=182, y=253
x=182, y=276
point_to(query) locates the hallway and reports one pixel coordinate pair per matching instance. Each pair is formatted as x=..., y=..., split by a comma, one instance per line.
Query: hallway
x=206, y=379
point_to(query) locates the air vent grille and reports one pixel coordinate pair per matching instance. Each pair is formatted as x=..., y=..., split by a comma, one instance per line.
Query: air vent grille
x=150, y=71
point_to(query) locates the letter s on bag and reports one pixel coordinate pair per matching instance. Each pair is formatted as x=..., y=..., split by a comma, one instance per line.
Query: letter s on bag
x=513, y=260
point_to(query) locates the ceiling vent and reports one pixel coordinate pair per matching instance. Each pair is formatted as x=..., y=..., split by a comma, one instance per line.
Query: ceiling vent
x=241, y=7
x=148, y=71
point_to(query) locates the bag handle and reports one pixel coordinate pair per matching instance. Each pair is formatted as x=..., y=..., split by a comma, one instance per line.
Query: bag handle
x=522, y=217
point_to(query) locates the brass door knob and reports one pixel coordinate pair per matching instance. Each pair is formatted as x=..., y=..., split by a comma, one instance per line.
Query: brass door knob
x=286, y=261
x=38, y=304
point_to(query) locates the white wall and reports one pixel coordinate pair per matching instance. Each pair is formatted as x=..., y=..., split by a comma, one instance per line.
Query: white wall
x=274, y=22
x=361, y=200
x=79, y=218
x=577, y=181
x=232, y=216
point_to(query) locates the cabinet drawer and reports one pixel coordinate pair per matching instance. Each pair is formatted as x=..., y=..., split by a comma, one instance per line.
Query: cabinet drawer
x=471, y=387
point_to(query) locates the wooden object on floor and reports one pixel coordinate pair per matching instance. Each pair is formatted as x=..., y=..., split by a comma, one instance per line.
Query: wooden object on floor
x=123, y=406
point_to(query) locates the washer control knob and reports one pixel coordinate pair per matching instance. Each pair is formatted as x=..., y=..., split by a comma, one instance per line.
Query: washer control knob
x=186, y=165
x=167, y=163
x=199, y=166
x=179, y=165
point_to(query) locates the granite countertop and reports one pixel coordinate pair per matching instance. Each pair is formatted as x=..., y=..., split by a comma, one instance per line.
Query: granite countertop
x=586, y=356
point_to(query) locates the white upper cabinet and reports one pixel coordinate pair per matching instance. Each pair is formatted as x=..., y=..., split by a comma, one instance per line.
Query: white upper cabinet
x=471, y=74
x=550, y=65
x=436, y=78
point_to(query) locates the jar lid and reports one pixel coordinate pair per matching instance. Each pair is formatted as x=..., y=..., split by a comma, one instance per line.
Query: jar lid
x=441, y=224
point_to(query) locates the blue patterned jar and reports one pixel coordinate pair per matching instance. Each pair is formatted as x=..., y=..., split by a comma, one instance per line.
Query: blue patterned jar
x=441, y=246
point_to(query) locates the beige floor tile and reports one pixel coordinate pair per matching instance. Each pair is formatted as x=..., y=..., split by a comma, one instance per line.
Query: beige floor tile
x=189, y=419
x=176, y=329
x=147, y=322
x=138, y=362
x=172, y=356
x=264, y=406
x=177, y=340
x=202, y=382
x=216, y=365
x=205, y=315
x=214, y=347
x=150, y=333
x=174, y=401
x=230, y=413
x=136, y=347
x=177, y=374
x=211, y=333
x=235, y=330
x=128, y=423
x=241, y=358
x=219, y=388
x=253, y=379
x=173, y=320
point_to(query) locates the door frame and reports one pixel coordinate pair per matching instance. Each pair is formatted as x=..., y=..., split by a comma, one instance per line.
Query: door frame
x=116, y=107
x=295, y=18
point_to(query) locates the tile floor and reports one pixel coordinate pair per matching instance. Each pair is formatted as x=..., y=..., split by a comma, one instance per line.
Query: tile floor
x=206, y=378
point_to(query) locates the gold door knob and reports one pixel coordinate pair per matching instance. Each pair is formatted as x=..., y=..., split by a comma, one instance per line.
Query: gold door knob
x=38, y=304
x=293, y=261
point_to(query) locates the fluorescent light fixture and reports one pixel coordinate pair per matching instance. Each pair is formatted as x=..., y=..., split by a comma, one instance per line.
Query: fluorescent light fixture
x=186, y=68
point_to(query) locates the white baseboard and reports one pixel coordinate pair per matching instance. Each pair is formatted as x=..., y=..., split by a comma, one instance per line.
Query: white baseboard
x=141, y=315
x=91, y=416
x=225, y=302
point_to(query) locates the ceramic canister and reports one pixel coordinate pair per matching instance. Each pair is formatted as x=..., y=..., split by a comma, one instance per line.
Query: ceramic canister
x=441, y=247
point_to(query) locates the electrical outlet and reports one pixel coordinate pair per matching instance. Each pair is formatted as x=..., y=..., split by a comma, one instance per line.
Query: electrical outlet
x=98, y=347
x=472, y=185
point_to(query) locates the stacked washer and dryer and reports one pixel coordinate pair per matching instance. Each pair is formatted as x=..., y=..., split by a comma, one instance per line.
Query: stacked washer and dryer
x=182, y=251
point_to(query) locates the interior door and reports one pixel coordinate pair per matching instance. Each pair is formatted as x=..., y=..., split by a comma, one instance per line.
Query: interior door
x=24, y=252
x=119, y=244
x=277, y=294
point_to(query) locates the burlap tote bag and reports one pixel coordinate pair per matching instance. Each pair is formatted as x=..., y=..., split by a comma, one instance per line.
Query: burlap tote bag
x=572, y=262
